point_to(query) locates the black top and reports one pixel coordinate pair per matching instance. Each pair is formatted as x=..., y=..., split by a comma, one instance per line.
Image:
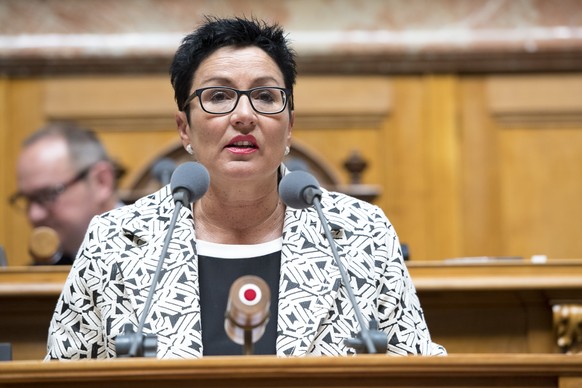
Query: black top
x=219, y=266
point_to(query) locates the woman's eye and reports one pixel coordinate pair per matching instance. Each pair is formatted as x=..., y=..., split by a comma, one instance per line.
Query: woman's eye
x=265, y=96
x=219, y=96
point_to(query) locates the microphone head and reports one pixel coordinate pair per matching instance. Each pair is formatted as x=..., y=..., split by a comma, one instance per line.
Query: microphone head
x=298, y=189
x=247, y=309
x=190, y=181
x=162, y=170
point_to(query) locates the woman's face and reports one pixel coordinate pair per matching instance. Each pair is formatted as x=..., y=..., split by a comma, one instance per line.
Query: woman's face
x=242, y=144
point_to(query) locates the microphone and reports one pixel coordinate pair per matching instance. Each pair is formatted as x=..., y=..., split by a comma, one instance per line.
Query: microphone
x=189, y=183
x=247, y=311
x=300, y=190
x=43, y=244
x=163, y=169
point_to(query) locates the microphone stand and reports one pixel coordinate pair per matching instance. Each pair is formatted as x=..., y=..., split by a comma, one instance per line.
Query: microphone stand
x=368, y=340
x=136, y=344
x=248, y=345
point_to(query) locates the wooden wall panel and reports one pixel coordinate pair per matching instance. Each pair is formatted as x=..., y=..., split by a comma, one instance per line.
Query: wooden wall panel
x=23, y=114
x=404, y=182
x=538, y=100
x=539, y=126
x=442, y=166
x=4, y=172
x=422, y=164
x=466, y=165
x=481, y=165
x=134, y=116
x=109, y=97
x=522, y=165
x=541, y=191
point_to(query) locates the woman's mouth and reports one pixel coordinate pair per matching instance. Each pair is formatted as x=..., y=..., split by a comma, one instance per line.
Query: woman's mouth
x=242, y=147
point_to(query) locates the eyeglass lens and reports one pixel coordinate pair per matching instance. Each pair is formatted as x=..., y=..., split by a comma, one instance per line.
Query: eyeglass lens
x=263, y=100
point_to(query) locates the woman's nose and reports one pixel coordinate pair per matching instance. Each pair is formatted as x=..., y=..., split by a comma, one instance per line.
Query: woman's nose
x=244, y=115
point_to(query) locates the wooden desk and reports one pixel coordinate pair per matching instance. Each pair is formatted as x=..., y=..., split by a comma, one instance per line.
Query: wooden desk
x=499, y=307
x=489, y=370
x=503, y=306
x=28, y=296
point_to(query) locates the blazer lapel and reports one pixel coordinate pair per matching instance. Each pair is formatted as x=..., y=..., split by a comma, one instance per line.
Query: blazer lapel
x=175, y=308
x=309, y=282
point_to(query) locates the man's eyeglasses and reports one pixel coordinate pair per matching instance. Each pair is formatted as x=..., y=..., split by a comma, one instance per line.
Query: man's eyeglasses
x=47, y=196
x=221, y=99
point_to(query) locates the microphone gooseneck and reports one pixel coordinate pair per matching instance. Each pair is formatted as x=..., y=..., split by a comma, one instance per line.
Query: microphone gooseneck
x=189, y=183
x=300, y=190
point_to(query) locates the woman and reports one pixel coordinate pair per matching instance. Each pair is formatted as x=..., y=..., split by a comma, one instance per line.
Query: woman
x=233, y=82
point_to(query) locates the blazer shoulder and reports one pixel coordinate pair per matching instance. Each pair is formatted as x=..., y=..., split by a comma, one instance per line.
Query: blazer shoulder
x=157, y=202
x=337, y=202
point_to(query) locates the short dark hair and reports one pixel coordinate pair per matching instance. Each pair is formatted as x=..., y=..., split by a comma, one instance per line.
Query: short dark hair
x=216, y=33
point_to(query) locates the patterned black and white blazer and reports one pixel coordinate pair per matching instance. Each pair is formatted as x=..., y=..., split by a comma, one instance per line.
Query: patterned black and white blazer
x=110, y=279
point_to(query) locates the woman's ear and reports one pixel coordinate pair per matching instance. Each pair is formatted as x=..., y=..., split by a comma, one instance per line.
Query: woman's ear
x=290, y=128
x=183, y=127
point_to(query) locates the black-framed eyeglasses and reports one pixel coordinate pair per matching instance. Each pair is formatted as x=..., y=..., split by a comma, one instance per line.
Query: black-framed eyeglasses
x=47, y=196
x=267, y=100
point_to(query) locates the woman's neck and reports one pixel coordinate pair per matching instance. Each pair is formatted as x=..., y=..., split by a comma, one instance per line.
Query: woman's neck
x=238, y=221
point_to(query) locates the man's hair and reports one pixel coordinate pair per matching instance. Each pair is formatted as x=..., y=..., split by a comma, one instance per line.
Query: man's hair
x=84, y=147
x=216, y=33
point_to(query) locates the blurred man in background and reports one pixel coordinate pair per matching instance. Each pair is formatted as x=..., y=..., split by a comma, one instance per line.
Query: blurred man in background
x=65, y=177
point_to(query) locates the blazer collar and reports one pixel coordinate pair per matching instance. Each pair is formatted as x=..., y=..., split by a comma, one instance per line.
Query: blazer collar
x=177, y=294
x=310, y=280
